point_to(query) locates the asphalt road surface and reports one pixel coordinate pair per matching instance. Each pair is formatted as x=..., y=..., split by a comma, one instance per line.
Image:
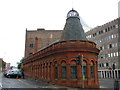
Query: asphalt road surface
x=27, y=83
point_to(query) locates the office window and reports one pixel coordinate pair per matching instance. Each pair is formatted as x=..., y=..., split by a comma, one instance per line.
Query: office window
x=100, y=48
x=113, y=26
x=112, y=54
x=102, y=64
x=106, y=55
x=116, y=53
x=109, y=55
x=101, y=56
x=112, y=36
x=106, y=30
x=101, y=31
x=110, y=45
x=31, y=45
x=116, y=25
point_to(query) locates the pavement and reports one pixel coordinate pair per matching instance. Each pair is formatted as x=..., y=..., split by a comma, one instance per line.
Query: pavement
x=0, y=80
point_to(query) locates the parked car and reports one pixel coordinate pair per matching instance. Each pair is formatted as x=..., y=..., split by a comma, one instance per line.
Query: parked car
x=13, y=73
x=5, y=73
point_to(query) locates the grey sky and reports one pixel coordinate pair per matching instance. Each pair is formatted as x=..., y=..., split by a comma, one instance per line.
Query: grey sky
x=17, y=15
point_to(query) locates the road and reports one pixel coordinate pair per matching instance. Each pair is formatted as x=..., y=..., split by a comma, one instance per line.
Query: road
x=107, y=83
x=0, y=80
x=27, y=83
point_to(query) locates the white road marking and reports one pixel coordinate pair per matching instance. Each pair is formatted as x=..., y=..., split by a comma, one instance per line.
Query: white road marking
x=0, y=84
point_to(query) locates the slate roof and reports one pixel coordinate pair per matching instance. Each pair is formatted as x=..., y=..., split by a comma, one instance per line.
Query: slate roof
x=73, y=29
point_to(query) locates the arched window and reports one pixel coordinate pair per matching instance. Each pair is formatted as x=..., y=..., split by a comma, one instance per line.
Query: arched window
x=84, y=69
x=56, y=71
x=92, y=70
x=73, y=70
x=64, y=70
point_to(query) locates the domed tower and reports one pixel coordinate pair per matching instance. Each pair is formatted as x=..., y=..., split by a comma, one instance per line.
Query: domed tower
x=73, y=29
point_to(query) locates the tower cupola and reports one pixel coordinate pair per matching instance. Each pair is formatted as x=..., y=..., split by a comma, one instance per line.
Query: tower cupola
x=72, y=13
x=73, y=29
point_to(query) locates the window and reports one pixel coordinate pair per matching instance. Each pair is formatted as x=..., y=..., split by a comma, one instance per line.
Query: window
x=101, y=31
x=109, y=55
x=63, y=72
x=30, y=53
x=101, y=56
x=102, y=64
x=92, y=70
x=73, y=72
x=107, y=64
x=100, y=48
x=110, y=45
x=106, y=55
x=116, y=53
x=31, y=45
x=116, y=25
x=106, y=30
x=113, y=26
x=84, y=69
x=56, y=71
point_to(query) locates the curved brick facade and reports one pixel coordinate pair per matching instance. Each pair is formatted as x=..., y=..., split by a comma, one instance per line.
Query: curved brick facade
x=42, y=64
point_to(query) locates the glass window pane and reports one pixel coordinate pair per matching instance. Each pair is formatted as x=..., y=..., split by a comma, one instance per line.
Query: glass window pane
x=73, y=72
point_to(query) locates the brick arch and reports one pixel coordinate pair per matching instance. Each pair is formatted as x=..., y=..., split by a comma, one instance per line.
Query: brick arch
x=86, y=60
x=55, y=62
x=63, y=61
x=71, y=60
x=92, y=60
x=50, y=63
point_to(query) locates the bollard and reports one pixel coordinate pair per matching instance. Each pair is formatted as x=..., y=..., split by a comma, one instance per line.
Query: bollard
x=116, y=85
x=17, y=77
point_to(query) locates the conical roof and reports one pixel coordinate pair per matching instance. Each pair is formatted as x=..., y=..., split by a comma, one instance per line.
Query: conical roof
x=73, y=29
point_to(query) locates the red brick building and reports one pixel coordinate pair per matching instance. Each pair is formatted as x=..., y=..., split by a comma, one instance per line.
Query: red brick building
x=40, y=36
x=56, y=63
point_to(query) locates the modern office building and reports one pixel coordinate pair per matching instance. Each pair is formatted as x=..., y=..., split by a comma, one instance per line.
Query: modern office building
x=107, y=39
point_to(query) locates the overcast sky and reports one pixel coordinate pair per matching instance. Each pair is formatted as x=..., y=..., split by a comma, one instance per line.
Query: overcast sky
x=17, y=15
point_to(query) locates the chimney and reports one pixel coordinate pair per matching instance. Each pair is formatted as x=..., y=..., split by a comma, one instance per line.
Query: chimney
x=36, y=45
